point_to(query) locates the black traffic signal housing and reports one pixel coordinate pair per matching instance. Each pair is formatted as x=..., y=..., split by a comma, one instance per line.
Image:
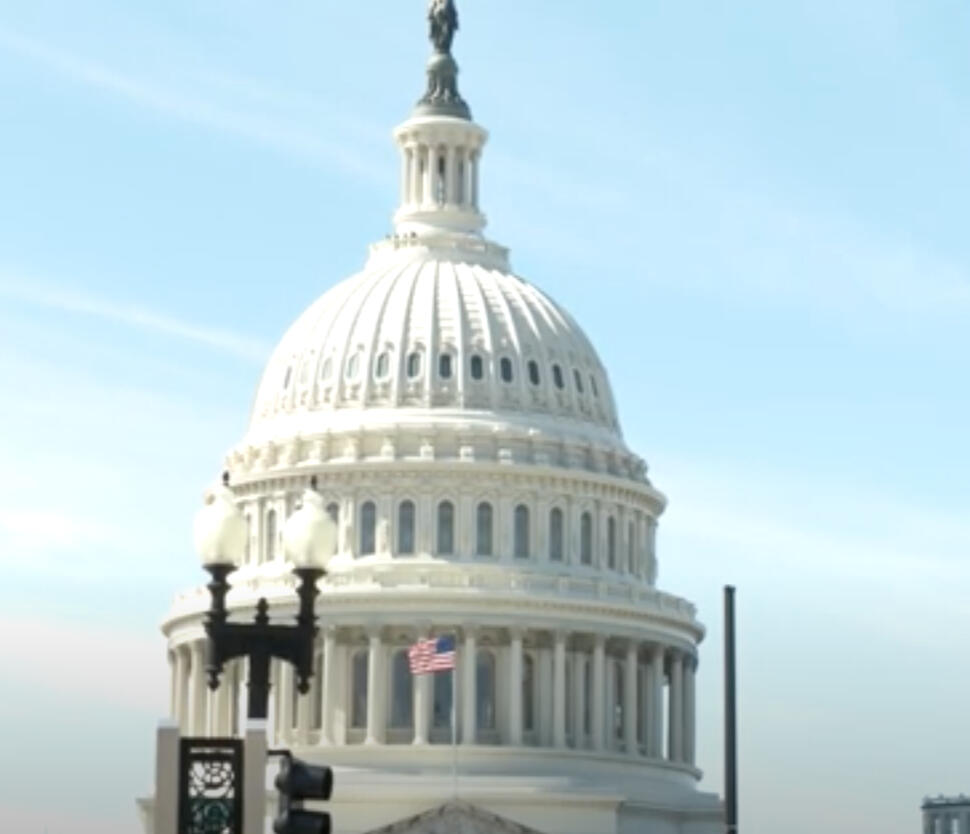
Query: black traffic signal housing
x=296, y=782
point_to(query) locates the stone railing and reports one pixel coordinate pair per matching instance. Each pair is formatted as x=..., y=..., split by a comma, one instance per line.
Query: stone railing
x=478, y=579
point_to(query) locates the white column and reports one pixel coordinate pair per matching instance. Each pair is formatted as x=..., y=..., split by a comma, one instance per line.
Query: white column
x=405, y=174
x=643, y=705
x=474, y=167
x=172, y=688
x=327, y=682
x=579, y=699
x=656, y=729
x=598, y=712
x=375, y=688
x=542, y=713
x=287, y=693
x=630, y=700
x=180, y=674
x=515, y=687
x=430, y=173
x=559, y=689
x=451, y=176
x=676, y=708
x=469, y=693
x=690, y=710
x=197, y=698
x=303, y=714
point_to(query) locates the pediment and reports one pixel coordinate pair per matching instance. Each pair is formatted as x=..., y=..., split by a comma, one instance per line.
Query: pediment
x=455, y=818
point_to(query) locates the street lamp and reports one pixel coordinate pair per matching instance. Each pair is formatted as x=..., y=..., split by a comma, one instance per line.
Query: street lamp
x=220, y=538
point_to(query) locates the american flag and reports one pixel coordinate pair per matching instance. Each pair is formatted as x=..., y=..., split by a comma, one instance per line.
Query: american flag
x=434, y=655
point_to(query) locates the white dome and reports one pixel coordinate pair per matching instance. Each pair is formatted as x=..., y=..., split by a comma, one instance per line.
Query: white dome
x=419, y=330
x=462, y=435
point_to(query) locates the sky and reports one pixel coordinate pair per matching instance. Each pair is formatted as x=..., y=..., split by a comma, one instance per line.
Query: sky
x=756, y=210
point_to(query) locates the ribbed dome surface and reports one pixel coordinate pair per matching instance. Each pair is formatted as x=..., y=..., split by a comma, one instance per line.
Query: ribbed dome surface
x=420, y=330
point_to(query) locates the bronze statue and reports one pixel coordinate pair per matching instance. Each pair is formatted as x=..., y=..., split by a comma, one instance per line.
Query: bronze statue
x=443, y=20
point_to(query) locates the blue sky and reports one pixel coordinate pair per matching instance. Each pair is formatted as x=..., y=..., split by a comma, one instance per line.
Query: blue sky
x=757, y=210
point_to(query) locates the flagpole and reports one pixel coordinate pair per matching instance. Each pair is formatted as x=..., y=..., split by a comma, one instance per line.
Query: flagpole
x=454, y=730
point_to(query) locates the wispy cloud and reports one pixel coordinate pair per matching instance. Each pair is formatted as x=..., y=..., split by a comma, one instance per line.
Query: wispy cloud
x=260, y=128
x=133, y=316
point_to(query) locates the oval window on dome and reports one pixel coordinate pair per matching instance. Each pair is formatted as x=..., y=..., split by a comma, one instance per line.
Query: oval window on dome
x=557, y=377
x=578, y=377
x=593, y=386
x=353, y=366
x=327, y=368
x=414, y=365
x=505, y=368
x=288, y=377
x=383, y=365
x=533, y=372
x=477, y=367
x=444, y=366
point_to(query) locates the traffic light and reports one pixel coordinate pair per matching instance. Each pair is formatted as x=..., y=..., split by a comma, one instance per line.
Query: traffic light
x=297, y=781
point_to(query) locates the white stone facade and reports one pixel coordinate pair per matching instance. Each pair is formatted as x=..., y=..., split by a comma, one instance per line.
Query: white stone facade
x=464, y=435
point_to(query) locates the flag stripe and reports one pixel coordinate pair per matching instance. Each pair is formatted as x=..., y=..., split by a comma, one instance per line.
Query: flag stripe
x=434, y=655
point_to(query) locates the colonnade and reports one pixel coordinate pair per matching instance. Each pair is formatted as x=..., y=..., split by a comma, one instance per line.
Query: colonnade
x=946, y=815
x=572, y=690
x=439, y=175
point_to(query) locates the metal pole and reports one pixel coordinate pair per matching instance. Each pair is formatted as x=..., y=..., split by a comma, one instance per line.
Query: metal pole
x=730, y=717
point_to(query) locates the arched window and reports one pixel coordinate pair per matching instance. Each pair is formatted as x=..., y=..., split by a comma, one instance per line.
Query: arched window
x=528, y=691
x=383, y=365
x=368, y=528
x=586, y=539
x=611, y=543
x=477, y=367
x=505, y=369
x=521, y=544
x=577, y=377
x=333, y=510
x=485, y=689
x=533, y=372
x=405, y=528
x=414, y=365
x=483, y=529
x=557, y=377
x=269, y=543
x=555, y=535
x=446, y=528
x=358, y=695
x=630, y=557
x=402, y=710
x=593, y=386
x=444, y=366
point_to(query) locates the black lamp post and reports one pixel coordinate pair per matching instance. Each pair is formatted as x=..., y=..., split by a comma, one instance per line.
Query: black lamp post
x=309, y=539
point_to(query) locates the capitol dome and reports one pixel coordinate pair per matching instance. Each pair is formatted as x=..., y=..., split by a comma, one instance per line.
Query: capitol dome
x=462, y=433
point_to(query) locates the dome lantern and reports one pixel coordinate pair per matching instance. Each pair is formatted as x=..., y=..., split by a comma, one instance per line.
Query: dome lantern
x=440, y=146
